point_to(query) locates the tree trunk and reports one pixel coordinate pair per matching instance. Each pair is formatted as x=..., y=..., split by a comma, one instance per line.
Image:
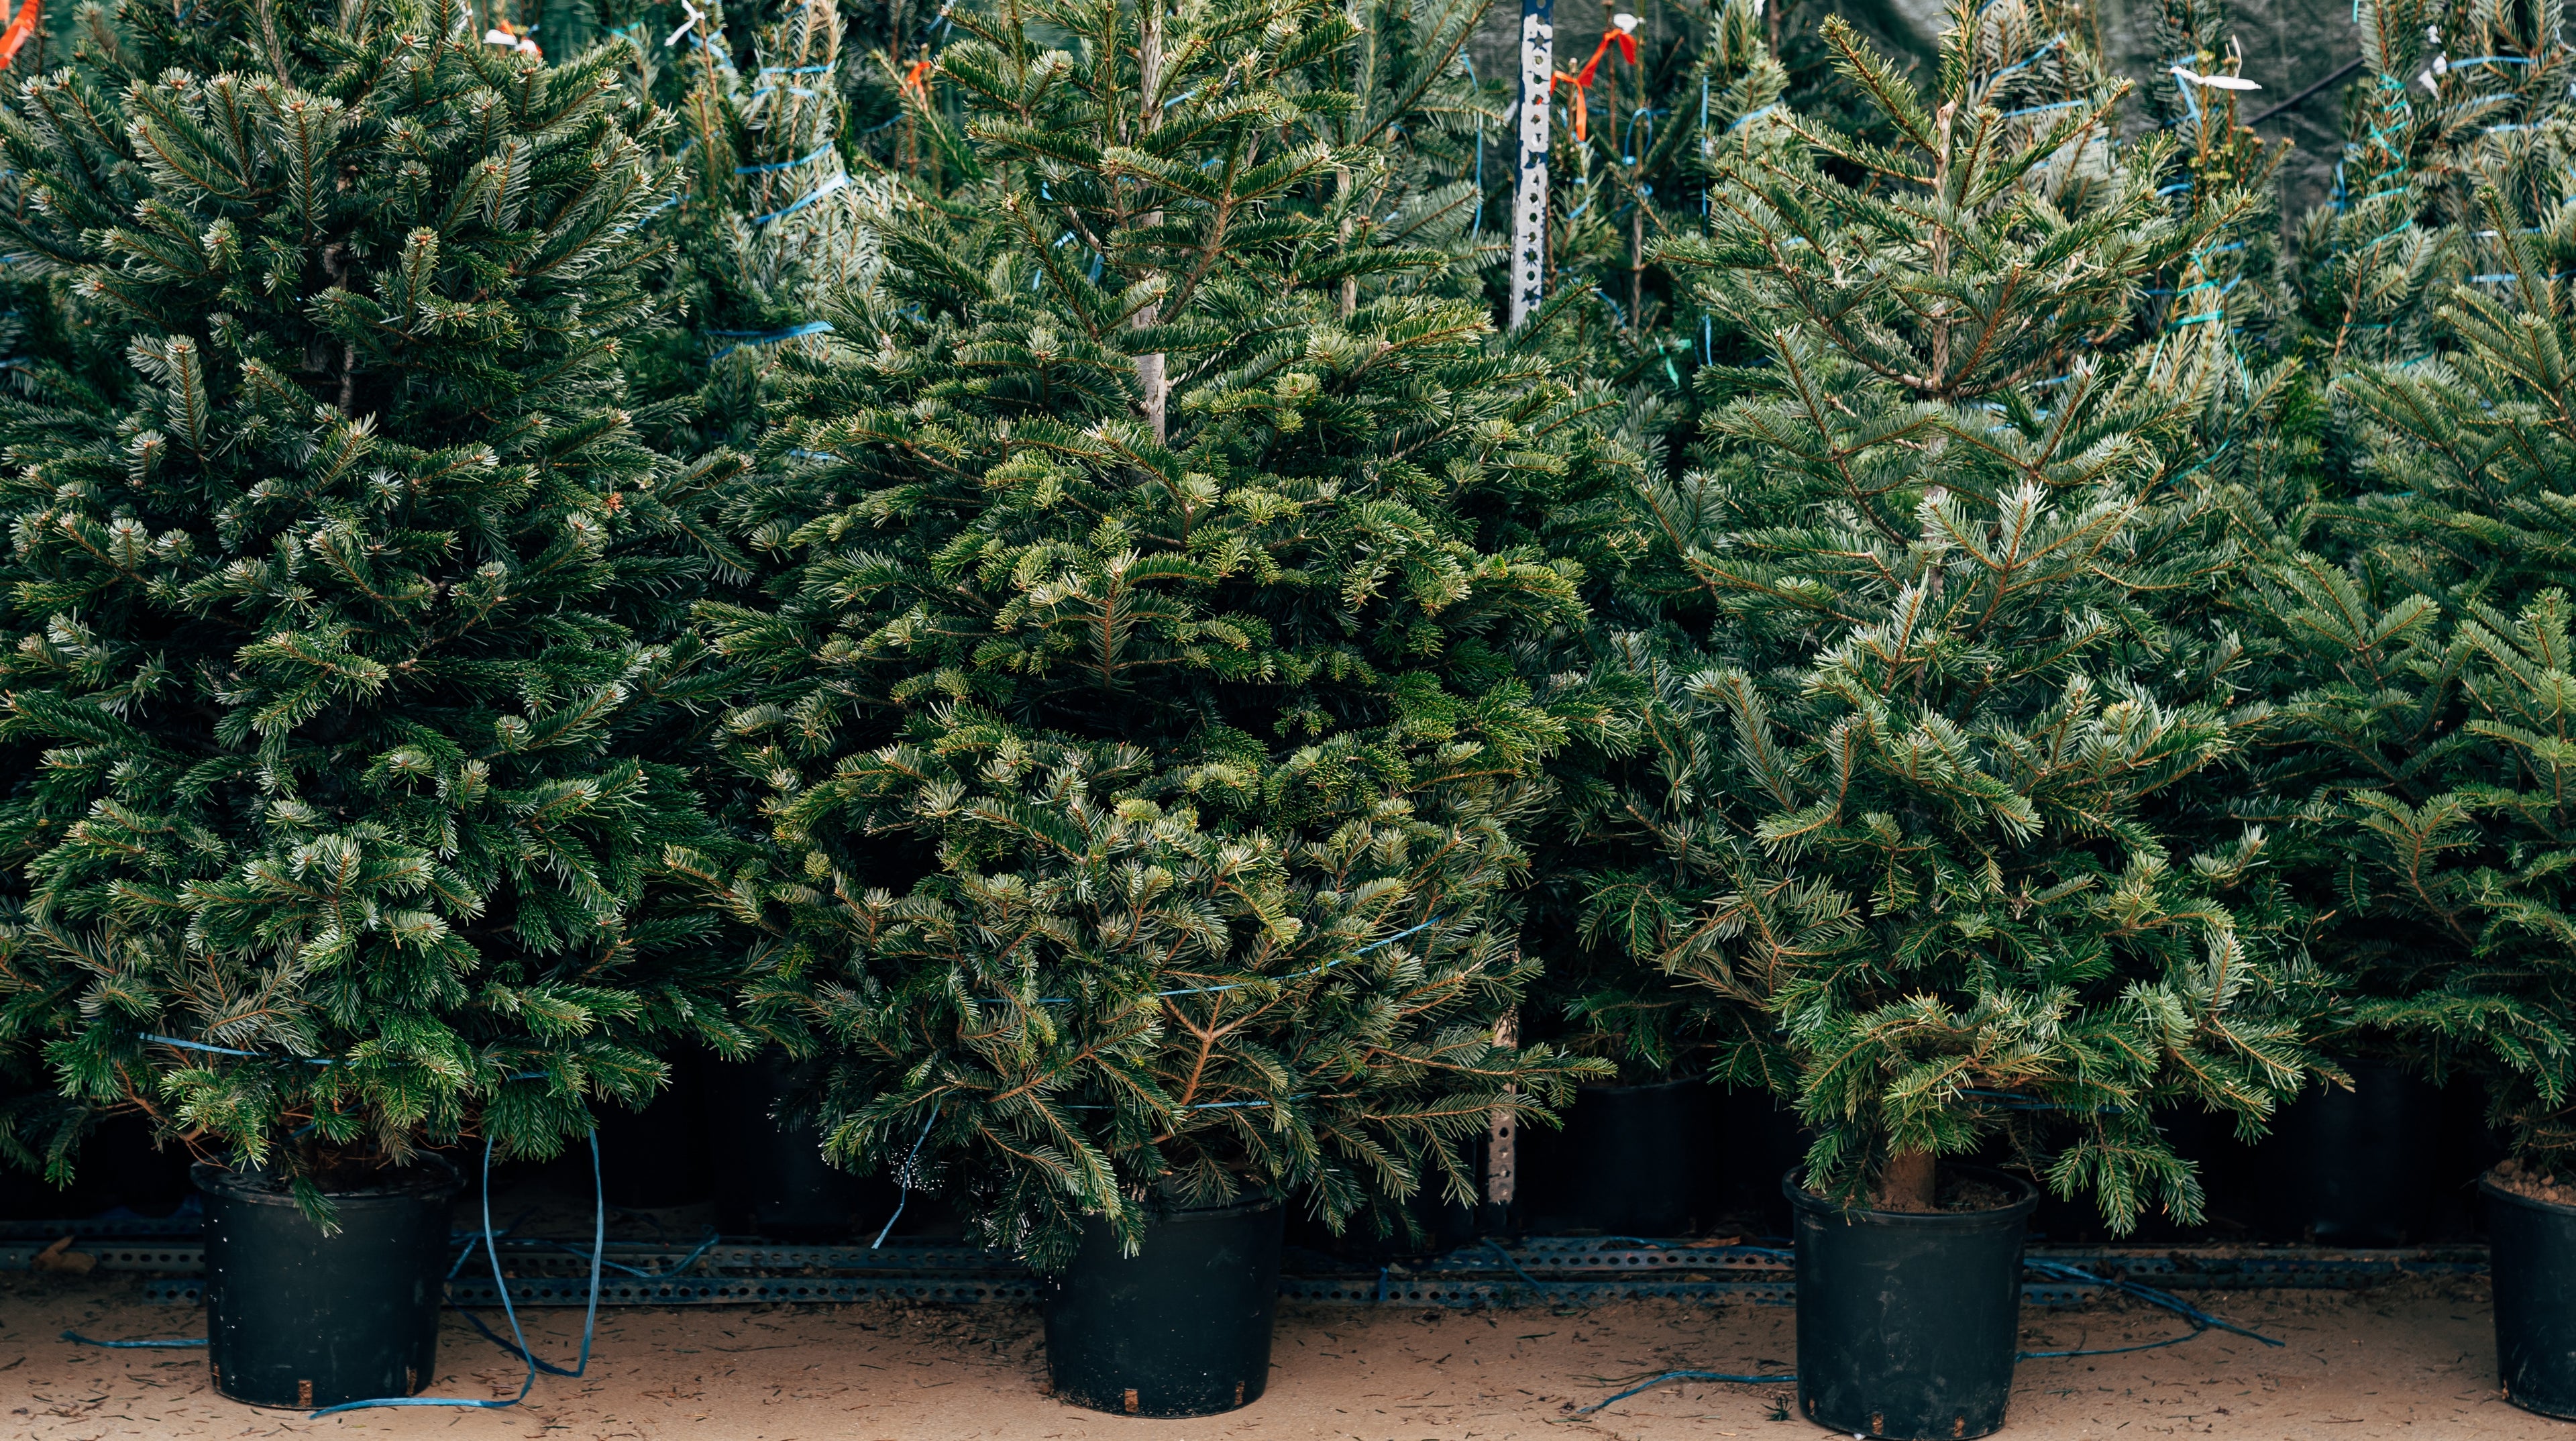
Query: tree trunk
x=1908, y=1183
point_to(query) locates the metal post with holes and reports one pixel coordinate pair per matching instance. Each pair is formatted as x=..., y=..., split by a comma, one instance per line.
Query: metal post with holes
x=1500, y=1132
x=1529, y=187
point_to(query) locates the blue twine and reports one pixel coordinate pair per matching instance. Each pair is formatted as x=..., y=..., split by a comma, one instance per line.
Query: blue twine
x=2200, y=1321
x=795, y=70
x=175, y=1343
x=678, y=1267
x=1691, y=1376
x=1239, y=985
x=1477, y=230
x=229, y=1051
x=903, y=1188
x=818, y=153
x=2041, y=109
x=1497, y=1248
x=491, y=1248
x=809, y=197
x=770, y=337
x=2148, y=1294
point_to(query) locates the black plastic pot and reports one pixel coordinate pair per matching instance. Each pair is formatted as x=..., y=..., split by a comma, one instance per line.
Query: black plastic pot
x=2351, y=1168
x=770, y=1176
x=2532, y=1262
x=298, y=1318
x=659, y=1156
x=1908, y=1323
x=1182, y=1328
x=1629, y=1161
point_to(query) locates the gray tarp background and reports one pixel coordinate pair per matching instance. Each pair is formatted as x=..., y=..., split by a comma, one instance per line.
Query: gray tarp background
x=2289, y=45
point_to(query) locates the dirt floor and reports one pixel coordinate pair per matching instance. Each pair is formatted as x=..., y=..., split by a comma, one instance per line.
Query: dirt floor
x=2414, y=1359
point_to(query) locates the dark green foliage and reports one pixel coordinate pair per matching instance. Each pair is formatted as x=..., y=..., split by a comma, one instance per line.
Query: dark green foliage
x=1921, y=700
x=1160, y=549
x=2422, y=644
x=342, y=637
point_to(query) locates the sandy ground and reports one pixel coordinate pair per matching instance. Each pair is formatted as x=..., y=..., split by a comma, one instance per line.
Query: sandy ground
x=2415, y=1360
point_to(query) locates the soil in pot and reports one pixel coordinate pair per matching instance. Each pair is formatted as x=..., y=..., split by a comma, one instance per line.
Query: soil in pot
x=2531, y=1236
x=770, y=1176
x=298, y=1318
x=1909, y=1321
x=1182, y=1328
x=2352, y=1168
x=1628, y=1161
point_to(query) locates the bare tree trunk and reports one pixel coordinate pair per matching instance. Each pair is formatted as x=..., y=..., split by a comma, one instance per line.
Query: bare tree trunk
x=1637, y=268
x=1149, y=68
x=1908, y=1183
x=1350, y=298
x=1529, y=191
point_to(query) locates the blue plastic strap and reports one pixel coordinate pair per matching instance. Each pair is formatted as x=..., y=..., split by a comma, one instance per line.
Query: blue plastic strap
x=817, y=153
x=175, y=1343
x=229, y=1051
x=903, y=1188
x=770, y=337
x=1778, y=1380
x=1239, y=985
x=809, y=197
x=491, y=1248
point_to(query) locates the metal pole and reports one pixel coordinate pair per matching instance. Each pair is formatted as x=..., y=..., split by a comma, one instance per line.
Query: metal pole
x=1529, y=193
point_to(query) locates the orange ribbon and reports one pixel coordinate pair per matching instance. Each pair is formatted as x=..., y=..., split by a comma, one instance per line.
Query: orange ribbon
x=1581, y=80
x=1627, y=44
x=22, y=27
x=1570, y=83
x=914, y=81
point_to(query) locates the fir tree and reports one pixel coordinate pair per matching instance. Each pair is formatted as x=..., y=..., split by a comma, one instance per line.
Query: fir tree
x=1900, y=793
x=1158, y=550
x=2418, y=633
x=2456, y=97
x=342, y=843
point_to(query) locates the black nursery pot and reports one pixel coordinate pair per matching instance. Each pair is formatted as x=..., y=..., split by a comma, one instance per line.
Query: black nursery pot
x=2349, y=1168
x=1180, y=1329
x=1629, y=1161
x=659, y=1157
x=770, y=1176
x=1908, y=1323
x=2532, y=1265
x=298, y=1318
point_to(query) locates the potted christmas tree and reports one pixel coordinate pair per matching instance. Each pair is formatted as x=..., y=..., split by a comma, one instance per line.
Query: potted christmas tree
x=2423, y=648
x=333, y=630
x=1158, y=545
x=1909, y=772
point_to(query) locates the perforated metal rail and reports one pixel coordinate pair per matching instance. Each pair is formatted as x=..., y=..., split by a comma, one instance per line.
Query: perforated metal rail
x=1544, y=1270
